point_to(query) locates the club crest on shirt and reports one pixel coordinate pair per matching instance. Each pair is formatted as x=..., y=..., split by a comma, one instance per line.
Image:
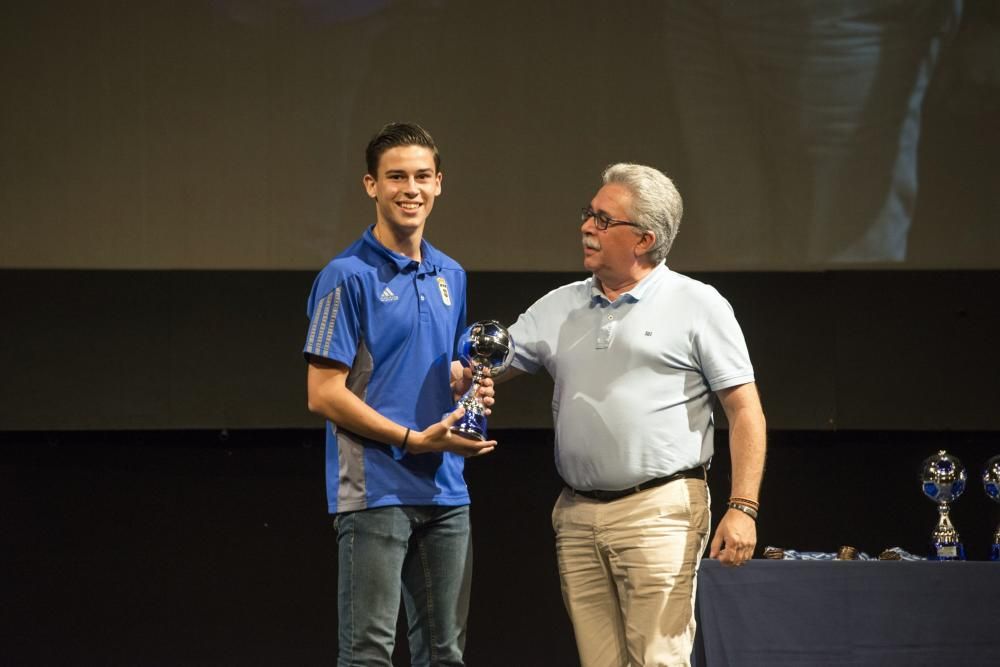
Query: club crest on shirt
x=443, y=288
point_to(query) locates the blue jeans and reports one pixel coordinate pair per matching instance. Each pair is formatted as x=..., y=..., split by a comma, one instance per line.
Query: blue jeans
x=421, y=552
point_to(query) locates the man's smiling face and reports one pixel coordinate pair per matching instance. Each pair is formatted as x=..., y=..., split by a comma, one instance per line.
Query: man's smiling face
x=404, y=188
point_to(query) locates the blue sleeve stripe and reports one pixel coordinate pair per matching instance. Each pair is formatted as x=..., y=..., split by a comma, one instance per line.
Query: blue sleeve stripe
x=333, y=321
x=311, y=340
x=324, y=323
x=321, y=329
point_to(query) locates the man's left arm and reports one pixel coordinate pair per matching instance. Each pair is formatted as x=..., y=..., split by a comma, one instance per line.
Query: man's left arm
x=736, y=535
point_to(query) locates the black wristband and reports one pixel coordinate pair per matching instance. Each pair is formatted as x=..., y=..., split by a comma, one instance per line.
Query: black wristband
x=406, y=439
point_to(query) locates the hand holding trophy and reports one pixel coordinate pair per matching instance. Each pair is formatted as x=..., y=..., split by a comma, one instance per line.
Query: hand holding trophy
x=488, y=349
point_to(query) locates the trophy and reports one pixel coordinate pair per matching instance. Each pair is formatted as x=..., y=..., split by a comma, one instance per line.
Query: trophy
x=991, y=484
x=943, y=478
x=487, y=348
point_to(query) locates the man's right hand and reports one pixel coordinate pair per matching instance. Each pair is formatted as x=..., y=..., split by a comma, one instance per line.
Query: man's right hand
x=440, y=438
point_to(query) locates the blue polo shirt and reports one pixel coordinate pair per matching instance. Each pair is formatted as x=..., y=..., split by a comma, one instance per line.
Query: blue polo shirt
x=395, y=323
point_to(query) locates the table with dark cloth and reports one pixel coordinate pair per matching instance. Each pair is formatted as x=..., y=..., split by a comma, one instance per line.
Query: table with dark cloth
x=787, y=612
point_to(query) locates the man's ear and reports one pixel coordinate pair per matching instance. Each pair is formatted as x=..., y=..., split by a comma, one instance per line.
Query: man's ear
x=647, y=241
x=369, y=182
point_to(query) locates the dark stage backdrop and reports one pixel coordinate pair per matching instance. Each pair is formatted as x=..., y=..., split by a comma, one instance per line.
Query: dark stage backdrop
x=201, y=548
x=898, y=350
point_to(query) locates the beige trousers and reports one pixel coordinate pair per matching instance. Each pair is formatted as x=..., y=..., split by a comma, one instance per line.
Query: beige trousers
x=628, y=569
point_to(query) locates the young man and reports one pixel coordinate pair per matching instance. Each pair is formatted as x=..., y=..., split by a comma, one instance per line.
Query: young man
x=637, y=352
x=385, y=316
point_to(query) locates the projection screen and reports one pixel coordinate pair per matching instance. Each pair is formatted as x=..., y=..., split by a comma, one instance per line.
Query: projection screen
x=229, y=134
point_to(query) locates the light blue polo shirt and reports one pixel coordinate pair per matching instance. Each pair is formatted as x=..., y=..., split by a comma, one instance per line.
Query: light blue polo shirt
x=634, y=377
x=395, y=323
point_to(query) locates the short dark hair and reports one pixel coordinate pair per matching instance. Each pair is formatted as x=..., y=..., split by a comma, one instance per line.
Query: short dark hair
x=399, y=134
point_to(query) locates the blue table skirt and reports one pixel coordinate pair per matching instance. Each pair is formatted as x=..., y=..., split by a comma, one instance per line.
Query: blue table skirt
x=848, y=613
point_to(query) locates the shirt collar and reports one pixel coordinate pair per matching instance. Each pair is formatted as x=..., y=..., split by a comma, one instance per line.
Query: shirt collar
x=638, y=291
x=429, y=262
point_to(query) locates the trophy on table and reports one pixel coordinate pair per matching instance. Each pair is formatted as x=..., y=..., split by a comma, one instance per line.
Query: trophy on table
x=487, y=348
x=943, y=477
x=991, y=484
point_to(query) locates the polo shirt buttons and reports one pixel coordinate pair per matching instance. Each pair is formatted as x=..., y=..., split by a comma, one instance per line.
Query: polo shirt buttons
x=606, y=333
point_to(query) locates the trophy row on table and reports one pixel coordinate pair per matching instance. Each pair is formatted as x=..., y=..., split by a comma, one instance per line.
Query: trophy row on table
x=943, y=477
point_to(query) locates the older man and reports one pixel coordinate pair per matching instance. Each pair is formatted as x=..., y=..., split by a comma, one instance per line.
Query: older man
x=637, y=353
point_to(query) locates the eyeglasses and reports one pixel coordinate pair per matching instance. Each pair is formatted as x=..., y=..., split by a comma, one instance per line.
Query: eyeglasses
x=602, y=220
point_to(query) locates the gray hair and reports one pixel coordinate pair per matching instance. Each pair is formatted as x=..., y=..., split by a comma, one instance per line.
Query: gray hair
x=656, y=204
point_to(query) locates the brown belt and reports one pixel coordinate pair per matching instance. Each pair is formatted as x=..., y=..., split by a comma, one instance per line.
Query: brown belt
x=608, y=496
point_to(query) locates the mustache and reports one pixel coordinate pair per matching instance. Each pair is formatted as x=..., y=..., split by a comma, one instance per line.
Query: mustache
x=590, y=242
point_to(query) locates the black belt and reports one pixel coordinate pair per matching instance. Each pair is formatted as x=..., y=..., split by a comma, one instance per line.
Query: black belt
x=608, y=496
